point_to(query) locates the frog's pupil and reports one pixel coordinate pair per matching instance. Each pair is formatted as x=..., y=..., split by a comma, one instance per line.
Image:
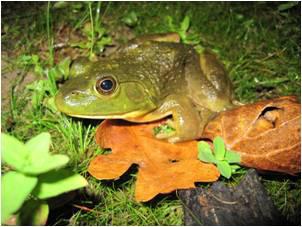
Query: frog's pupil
x=106, y=85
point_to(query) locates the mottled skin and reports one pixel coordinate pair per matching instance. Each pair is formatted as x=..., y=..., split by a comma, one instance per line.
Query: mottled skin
x=154, y=80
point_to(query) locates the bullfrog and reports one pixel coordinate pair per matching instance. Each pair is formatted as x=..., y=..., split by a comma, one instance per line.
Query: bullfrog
x=148, y=80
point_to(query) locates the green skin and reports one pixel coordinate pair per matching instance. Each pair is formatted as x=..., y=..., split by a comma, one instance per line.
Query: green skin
x=153, y=80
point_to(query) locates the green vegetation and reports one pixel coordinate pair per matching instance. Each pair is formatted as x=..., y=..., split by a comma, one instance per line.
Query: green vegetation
x=220, y=156
x=259, y=42
x=36, y=174
x=164, y=129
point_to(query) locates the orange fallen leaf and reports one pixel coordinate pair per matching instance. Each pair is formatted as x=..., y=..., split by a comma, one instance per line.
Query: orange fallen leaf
x=163, y=167
x=266, y=134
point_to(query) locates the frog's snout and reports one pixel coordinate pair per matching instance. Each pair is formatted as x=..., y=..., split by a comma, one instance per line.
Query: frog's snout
x=75, y=95
x=74, y=99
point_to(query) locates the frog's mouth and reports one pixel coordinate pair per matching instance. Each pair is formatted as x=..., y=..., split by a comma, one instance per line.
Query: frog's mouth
x=125, y=116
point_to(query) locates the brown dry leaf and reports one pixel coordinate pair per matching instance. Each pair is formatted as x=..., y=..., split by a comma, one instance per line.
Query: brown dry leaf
x=266, y=134
x=163, y=167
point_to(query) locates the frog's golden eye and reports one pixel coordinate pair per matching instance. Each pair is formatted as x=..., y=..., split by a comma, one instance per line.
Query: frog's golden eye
x=105, y=85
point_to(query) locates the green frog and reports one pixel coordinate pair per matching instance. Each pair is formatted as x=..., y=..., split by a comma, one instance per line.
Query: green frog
x=147, y=80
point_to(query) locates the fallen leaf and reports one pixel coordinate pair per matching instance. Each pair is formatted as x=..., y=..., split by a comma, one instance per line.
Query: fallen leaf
x=266, y=134
x=163, y=167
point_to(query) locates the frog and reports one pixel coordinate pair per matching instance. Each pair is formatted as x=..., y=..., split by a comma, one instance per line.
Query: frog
x=147, y=80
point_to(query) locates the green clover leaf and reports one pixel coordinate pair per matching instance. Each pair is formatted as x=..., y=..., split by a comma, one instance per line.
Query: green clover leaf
x=15, y=188
x=232, y=157
x=219, y=148
x=204, y=152
x=56, y=182
x=222, y=157
x=224, y=168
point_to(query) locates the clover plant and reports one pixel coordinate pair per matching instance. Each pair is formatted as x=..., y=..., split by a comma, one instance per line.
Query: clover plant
x=35, y=175
x=223, y=158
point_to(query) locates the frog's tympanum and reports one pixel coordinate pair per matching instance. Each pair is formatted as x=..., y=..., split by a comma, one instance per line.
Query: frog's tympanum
x=149, y=80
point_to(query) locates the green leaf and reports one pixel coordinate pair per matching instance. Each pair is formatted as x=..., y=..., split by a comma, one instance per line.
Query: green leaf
x=199, y=48
x=15, y=188
x=204, y=152
x=170, y=23
x=185, y=24
x=64, y=67
x=40, y=86
x=33, y=212
x=82, y=45
x=47, y=163
x=164, y=129
x=286, y=6
x=40, y=161
x=35, y=58
x=219, y=148
x=60, y=5
x=192, y=39
x=38, y=69
x=50, y=104
x=104, y=41
x=53, y=75
x=33, y=157
x=38, y=146
x=235, y=168
x=57, y=182
x=224, y=169
x=100, y=31
x=130, y=19
x=25, y=60
x=13, y=152
x=183, y=35
x=232, y=157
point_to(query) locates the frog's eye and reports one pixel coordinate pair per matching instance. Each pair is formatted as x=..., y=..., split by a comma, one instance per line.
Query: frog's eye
x=105, y=85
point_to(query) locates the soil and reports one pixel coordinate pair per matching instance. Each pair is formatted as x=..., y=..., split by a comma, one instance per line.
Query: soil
x=12, y=78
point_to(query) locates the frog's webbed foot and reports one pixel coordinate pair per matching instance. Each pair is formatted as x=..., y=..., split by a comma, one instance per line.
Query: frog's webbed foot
x=187, y=120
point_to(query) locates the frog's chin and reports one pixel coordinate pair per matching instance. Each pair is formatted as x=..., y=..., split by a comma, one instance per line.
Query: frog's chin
x=125, y=116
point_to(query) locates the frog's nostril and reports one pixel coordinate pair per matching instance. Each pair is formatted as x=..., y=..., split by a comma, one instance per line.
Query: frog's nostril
x=75, y=93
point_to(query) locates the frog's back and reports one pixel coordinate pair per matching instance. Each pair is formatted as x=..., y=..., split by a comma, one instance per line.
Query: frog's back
x=159, y=63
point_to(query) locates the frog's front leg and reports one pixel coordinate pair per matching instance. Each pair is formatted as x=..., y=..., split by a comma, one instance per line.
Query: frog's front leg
x=187, y=119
